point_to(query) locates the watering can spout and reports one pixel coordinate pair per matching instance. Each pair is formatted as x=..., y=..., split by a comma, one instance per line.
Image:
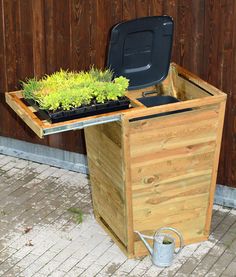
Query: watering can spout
x=143, y=237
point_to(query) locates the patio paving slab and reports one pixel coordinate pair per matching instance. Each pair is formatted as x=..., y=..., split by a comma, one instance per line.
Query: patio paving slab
x=40, y=237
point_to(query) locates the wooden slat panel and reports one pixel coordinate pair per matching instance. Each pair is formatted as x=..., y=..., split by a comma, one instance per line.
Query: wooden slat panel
x=39, y=52
x=80, y=40
x=10, y=16
x=105, y=159
x=24, y=34
x=104, y=14
x=3, y=75
x=227, y=58
x=156, y=7
x=171, y=172
x=142, y=8
x=129, y=10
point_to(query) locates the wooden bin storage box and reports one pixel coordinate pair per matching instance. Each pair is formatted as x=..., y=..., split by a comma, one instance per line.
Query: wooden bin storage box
x=150, y=171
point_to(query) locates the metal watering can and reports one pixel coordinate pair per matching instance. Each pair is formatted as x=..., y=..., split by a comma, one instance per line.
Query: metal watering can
x=163, y=251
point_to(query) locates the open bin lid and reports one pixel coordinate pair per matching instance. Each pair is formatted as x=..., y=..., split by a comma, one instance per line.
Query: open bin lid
x=140, y=50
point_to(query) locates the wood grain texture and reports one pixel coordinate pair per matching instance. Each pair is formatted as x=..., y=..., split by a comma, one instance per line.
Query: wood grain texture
x=173, y=169
x=105, y=158
x=158, y=171
x=41, y=36
x=39, y=44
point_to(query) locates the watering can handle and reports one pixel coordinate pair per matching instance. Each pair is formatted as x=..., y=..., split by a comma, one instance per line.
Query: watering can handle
x=181, y=240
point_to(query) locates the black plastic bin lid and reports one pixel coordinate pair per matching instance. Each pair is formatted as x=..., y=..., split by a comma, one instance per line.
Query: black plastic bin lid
x=140, y=50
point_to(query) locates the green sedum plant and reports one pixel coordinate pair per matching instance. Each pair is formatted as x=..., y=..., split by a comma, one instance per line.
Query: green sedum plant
x=66, y=90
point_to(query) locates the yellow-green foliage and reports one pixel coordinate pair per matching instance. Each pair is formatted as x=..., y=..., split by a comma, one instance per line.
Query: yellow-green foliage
x=66, y=90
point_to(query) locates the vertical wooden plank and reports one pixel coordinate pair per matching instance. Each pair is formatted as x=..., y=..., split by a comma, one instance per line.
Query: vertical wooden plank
x=226, y=58
x=80, y=34
x=189, y=37
x=12, y=58
x=184, y=25
x=104, y=15
x=10, y=15
x=215, y=167
x=25, y=66
x=4, y=115
x=49, y=36
x=3, y=75
x=224, y=80
x=156, y=7
x=100, y=32
x=213, y=58
x=170, y=8
x=62, y=34
x=211, y=46
x=196, y=53
x=231, y=108
x=57, y=49
x=142, y=8
x=128, y=184
x=25, y=56
x=39, y=54
x=57, y=29
x=129, y=10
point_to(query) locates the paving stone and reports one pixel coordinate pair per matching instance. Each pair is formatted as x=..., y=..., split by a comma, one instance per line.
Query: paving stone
x=87, y=261
x=91, y=270
x=154, y=271
x=21, y=253
x=8, y=166
x=75, y=272
x=13, y=272
x=5, y=160
x=31, y=270
x=204, y=266
x=38, y=168
x=57, y=273
x=22, y=164
x=46, y=173
x=5, y=254
x=127, y=267
x=39, y=275
x=228, y=239
x=68, y=264
x=218, y=249
x=49, y=267
x=105, y=258
x=224, y=260
x=8, y=264
x=188, y=267
x=230, y=270
x=26, y=261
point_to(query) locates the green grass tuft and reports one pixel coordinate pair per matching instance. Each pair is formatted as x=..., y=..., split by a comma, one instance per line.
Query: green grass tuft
x=77, y=214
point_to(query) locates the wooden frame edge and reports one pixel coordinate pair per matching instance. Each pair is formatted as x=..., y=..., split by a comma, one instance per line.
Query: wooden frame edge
x=197, y=80
x=29, y=118
x=127, y=181
x=215, y=166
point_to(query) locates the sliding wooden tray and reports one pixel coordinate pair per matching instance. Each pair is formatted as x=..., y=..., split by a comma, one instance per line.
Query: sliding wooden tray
x=149, y=171
x=30, y=114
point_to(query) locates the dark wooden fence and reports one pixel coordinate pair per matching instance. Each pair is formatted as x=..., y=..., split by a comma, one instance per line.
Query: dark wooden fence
x=41, y=36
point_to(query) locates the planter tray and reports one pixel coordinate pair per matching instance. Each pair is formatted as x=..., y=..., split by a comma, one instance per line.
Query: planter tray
x=39, y=121
x=81, y=112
